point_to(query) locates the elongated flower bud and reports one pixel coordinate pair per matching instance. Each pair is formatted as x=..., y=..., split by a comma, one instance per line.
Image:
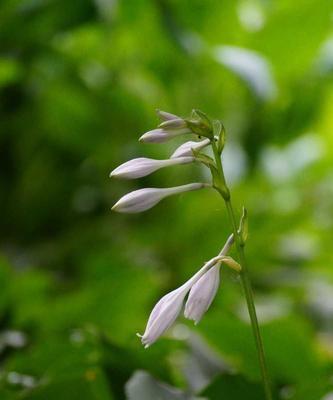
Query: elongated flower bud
x=186, y=148
x=143, y=199
x=162, y=135
x=202, y=294
x=169, y=306
x=165, y=116
x=140, y=167
x=163, y=315
x=173, y=124
x=204, y=290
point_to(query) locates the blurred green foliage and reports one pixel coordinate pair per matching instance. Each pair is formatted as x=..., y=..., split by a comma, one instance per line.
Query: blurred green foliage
x=79, y=82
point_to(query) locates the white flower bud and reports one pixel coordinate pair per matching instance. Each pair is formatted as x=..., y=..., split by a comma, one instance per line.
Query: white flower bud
x=168, y=308
x=186, y=148
x=202, y=294
x=161, y=135
x=173, y=124
x=165, y=116
x=204, y=290
x=163, y=315
x=143, y=199
x=140, y=167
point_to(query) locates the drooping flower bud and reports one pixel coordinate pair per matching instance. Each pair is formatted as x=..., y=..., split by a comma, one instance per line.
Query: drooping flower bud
x=169, y=306
x=161, y=135
x=186, y=148
x=204, y=290
x=163, y=315
x=139, y=167
x=143, y=199
x=202, y=294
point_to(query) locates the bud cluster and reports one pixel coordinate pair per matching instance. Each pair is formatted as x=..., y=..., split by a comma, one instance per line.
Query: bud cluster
x=170, y=126
x=202, y=287
x=196, y=294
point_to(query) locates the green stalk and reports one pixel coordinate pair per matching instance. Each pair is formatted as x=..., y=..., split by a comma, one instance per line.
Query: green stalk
x=244, y=275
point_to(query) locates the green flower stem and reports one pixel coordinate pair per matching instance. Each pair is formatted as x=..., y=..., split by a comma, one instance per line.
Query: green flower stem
x=221, y=187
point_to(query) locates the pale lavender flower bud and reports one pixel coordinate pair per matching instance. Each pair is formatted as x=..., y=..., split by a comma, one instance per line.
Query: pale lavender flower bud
x=202, y=294
x=168, y=308
x=161, y=135
x=165, y=116
x=186, y=148
x=204, y=289
x=163, y=315
x=173, y=124
x=140, y=167
x=143, y=199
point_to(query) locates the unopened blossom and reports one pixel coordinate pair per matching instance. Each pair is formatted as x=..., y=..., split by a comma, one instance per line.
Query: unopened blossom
x=185, y=149
x=166, y=116
x=204, y=290
x=143, y=199
x=169, y=306
x=202, y=294
x=161, y=135
x=142, y=166
x=176, y=123
x=163, y=315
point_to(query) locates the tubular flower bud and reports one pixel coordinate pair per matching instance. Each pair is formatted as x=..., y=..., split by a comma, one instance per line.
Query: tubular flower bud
x=139, y=167
x=163, y=315
x=204, y=290
x=165, y=116
x=169, y=306
x=162, y=135
x=173, y=124
x=202, y=294
x=143, y=199
x=186, y=148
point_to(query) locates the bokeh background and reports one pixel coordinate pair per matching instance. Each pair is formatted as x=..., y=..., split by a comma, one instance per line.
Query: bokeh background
x=79, y=83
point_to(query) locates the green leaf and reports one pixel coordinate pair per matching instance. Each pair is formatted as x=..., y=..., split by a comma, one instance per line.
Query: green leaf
x=10, y=71
x=233, y=338
x=89, y=385
x=233, y=387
